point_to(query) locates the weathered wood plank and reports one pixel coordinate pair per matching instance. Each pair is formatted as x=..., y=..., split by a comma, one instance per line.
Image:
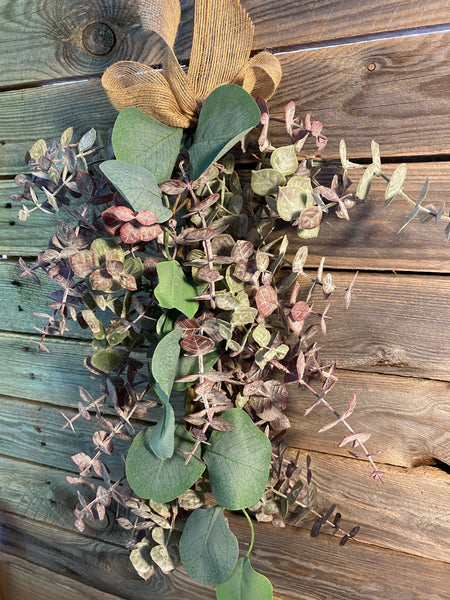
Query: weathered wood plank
x=300, y=568
x=403, y=99
x=369, y=241
x=395, y=325
x=404, y=513
x=22, y=579
x=408, y=513
x=34, y=432
x=394, y=91
x=407, y=417
x=54, y=377
x=25, y=117
x=55, y=42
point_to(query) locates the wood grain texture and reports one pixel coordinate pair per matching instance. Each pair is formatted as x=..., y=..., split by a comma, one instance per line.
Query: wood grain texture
x=403, y=100
x=299, y=567
x=395, y=91
x=56, y=42
x=20, y=579
x=370, y=241
x=54, y=377
x=407, y=417
x=34, y=432
x=408, y=512
x=396, y=324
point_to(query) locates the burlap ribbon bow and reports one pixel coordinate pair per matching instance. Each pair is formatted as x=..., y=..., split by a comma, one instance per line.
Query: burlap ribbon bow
x=222, y=41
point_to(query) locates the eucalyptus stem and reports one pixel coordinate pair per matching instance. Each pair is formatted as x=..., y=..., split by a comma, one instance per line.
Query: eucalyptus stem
x=252, y=532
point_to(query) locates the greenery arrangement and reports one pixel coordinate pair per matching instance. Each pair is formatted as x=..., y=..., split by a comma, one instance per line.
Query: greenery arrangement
x=197, y=316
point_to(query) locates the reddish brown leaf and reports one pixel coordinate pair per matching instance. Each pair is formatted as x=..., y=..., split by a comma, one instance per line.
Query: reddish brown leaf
x=189, y=326
x=245, y=271
x=300, y=311
x=209, y=275
x=266, y=300
x=301, y=365
x=128, y=282
x=114, y=267
x=197, y=345
x=196, y=208
x=310, y=217
x=351, y=407
x=220, y=424
x=82, y=262
x=192, y=235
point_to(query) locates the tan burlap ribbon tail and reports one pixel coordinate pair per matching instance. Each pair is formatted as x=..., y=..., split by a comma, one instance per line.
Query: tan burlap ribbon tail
x=222, y=41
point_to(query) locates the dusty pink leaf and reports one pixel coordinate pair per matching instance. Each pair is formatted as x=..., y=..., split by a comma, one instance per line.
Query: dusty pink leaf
x=300, y=311
x=220, y=424
x=266, y=300
x=172, y=187
x=359, y=438
x=197, y=345
x=114, y=266
x=82, y=460
x=130, y=234
x=103, y=496
x=300, y=365
x=146, y=217
x=150, y=232
x=310, y=217
x=351, y=407
x=242, y=250
x=103, y=441
x=128, y=282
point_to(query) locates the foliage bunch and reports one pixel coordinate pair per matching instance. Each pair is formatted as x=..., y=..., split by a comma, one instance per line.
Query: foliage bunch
x=199, y=322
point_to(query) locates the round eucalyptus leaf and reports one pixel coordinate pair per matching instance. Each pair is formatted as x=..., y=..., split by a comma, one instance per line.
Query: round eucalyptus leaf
x=238, y=462
x=162, y=480
x=245, y=583
x=284, y=160
x=208, y=549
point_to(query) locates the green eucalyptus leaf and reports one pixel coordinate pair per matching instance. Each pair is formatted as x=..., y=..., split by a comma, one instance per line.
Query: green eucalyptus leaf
x=238, y=461
x=376, y=158
x=164, y=369
x=244, y=316
x=162, y=440
x=165, y=362
x=227, y=115
x=208, y=549
x=174, y=290
x=267, y=181
x=162, y=480
x=141, y=560
x=142, y=140
x=284, y=160
x=97, y=328
x=245, y=583
x=102, y=247
x=106, y=360
x=307, y=234
x=138, y=186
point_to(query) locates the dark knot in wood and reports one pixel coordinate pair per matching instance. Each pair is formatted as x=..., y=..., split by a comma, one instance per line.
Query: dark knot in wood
x=98, y=39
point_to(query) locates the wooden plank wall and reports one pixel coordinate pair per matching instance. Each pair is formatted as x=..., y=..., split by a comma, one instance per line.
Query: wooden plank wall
x=368, y=71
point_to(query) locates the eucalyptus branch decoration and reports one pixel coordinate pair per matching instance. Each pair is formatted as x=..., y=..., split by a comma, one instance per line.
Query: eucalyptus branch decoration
x=199, y=320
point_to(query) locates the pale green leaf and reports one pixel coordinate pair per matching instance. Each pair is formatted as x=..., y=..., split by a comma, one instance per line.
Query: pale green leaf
x=376, y=158
x=261, y=335
x=284, y=160
x=365, y=181
x=395, y=184
x=87, y=140
x=38, y=149
x=174, y=290
x=245, y=584
x=162, y=480
x=208, y=549
x=141, y=560
x=226, y=116
x=140, y=139
x=266, y=182
x=238, y=461
x=138, y=186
